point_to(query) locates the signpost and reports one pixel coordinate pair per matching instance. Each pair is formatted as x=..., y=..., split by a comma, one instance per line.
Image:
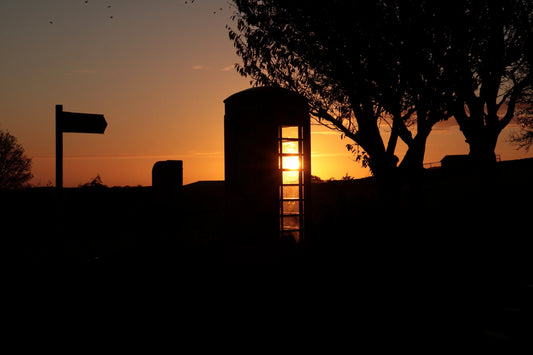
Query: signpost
x=73, y=122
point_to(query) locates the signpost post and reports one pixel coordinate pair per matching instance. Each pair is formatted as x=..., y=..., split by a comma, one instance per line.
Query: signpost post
x=73, y=122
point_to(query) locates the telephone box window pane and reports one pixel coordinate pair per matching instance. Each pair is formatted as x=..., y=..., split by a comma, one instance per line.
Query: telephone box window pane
x=290, y=192
x=290, y=147
x=291, y=162
x=289, y=131
x=291, y=236
x=291, y=222
x=291, y=207
x=290, y=177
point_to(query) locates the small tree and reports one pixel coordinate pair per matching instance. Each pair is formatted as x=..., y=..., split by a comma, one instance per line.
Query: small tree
x=96, y=182
x=524, y=140
x=524, y=115
x=15, y=167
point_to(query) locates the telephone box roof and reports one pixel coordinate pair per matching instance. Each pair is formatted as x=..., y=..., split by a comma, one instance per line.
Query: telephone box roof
x=265, y=94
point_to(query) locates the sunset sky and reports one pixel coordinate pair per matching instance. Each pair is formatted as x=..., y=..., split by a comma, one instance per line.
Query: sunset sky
x=159, y=71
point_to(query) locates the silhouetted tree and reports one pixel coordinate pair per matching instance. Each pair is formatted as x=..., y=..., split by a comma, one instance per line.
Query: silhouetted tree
x=15, y=167
x=96, y=183
x=524, y=139
x=361, y=65
x=422, y=42
x=405, y=63
x=316, y=179
x=489, y=63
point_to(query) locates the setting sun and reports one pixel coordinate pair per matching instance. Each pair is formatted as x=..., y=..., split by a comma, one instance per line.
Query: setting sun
x=291, y=162
x=290, y=149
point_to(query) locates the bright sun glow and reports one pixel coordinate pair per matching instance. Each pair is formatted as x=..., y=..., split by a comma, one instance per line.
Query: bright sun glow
x=291, y=162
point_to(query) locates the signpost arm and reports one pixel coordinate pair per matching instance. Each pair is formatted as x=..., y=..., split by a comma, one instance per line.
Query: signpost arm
x=59, y=148
x=73, y=122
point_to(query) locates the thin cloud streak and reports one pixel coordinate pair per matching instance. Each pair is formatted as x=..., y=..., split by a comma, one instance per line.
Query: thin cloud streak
x=83, y=71
x=227, y=68
x=329, y=155
x=328, y=133
x=209, y=68
x=188, y=155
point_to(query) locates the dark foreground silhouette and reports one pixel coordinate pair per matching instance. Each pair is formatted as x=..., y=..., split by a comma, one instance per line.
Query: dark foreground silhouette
x=452, y=214
x=451, y=255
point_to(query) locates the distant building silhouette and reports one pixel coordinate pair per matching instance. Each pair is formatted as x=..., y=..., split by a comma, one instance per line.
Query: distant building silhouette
x=167, y=183
x=267, y=165
x=460, y=161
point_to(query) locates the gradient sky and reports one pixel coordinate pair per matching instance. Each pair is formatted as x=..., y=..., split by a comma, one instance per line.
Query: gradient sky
x=159, y=71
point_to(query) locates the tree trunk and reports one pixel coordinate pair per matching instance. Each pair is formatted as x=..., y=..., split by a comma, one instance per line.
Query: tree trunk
x=412, y=167
x=384, y=170
x=482, y=146
x=413, y=161
x=481, y=132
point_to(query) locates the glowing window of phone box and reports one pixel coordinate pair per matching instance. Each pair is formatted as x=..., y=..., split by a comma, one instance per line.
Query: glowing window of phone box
x=290, y=132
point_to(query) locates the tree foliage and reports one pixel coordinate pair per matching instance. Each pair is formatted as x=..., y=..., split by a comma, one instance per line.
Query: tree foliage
x=366, y=65
x=524, y=115
x=362, y=66
x=15, y=167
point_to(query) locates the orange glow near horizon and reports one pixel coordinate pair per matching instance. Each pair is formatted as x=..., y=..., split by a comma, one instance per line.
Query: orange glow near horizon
x=329, y=158
x=159, y=75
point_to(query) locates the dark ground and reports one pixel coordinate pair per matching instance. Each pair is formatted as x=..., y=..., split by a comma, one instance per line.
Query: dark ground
x=456, y=249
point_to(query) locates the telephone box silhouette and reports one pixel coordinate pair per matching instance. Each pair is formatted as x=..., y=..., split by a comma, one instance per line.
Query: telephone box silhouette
x=267, y=151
